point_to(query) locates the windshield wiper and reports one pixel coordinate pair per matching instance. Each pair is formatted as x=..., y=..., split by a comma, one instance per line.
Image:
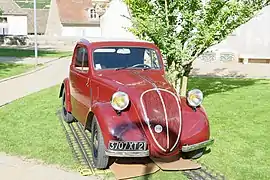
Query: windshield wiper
x=120, y=68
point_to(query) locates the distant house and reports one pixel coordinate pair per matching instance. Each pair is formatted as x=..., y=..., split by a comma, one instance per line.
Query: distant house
x=20, y=21
x=79, y=18
x=73, y=18
x=13, y=20
x=42, y=17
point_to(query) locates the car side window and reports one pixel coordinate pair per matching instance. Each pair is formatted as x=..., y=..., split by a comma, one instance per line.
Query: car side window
x=78, y=60
x=81, y=62
x=151, y=59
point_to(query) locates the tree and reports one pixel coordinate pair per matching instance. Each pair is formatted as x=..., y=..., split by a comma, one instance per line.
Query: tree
x=184, y=29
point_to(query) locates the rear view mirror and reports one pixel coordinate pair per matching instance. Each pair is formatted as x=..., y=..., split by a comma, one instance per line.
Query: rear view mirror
x=106, y=50
x=123, y=51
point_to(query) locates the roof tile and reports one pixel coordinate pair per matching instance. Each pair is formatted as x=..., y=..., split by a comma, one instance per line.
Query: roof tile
x=75, y=12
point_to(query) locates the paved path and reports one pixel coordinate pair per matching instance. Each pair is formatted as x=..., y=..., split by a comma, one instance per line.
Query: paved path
x=28, y=60
x=25, y=85
x=254, y=70
x=14, y=168
x=51, y=47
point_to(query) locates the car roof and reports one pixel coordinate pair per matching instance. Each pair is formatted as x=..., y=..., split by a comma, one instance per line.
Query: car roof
x=106, y=39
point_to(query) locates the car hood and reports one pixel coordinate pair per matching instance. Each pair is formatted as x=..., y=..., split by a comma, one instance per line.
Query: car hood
x=136, y=79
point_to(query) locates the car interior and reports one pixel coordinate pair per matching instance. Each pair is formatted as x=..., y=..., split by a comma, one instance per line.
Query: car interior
x=117, y=59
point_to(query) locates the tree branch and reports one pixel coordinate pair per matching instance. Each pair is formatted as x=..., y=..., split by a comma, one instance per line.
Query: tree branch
x=166, y=13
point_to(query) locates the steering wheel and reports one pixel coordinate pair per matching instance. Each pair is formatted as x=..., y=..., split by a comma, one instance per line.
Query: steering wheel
x=144, y=65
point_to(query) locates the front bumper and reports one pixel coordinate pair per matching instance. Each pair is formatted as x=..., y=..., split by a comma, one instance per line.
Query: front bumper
x=200, y=145
x=127, y=153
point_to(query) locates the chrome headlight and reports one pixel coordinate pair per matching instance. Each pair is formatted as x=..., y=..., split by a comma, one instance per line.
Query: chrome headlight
x=195, y=97
x=120, y=101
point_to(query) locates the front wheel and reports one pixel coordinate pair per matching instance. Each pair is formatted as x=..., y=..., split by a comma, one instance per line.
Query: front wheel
x=100, y=159
x=67, y=116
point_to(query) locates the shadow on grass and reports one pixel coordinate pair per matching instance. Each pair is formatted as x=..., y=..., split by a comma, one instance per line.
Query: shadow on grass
x=210, y=85
x=4, y=67
x=10, y=69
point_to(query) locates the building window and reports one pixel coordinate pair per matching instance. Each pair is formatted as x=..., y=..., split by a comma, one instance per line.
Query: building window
x=93, y=14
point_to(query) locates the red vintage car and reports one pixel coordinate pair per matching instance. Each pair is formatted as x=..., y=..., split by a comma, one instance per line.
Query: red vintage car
x=118, y=91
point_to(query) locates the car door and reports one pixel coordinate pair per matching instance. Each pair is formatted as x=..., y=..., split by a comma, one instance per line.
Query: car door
x=80, y=84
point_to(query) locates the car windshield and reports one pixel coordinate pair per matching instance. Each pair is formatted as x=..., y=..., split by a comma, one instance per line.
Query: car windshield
x=125, y=57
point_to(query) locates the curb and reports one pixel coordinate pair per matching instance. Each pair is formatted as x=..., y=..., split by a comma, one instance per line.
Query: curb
x=56, y=59
x=26, y=73
x=46, y=64
x=4, y=104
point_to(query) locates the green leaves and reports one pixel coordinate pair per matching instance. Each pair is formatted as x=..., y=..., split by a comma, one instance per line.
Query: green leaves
x=184, y=29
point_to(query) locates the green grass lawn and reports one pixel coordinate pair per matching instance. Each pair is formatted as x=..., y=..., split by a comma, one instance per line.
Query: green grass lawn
x=29, y=127
x=20, y=53
x=239, y=118
x=12, y=69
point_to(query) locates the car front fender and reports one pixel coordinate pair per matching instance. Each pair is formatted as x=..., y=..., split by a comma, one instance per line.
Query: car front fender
x=195, y=124
x=123, y=127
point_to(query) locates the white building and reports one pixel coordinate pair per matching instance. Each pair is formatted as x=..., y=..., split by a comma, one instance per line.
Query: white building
x=13, y=20
x=115, y=20
x=72, y=18
x=250, y=41
x=79, y=18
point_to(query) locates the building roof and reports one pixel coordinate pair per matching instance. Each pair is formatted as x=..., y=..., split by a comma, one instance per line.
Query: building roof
x=252, y=39
x=9, y=7
x=42, y=17
x=75, y=12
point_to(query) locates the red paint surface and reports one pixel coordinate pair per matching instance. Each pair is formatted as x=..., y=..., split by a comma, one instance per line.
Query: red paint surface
x=67, y=94
x=174, y=118
x=155, y=113
x=131, y=125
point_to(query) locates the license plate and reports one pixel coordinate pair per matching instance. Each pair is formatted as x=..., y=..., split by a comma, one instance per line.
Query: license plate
x=127, y=145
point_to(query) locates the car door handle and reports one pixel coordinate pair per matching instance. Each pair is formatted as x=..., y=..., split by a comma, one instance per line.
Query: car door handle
x=87, y=83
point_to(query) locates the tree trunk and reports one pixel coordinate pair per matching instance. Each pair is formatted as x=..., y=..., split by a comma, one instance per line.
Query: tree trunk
x=178, y=85
x=184, y=86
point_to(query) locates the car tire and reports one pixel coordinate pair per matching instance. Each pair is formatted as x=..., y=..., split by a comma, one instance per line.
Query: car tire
x=100, y=159
x=194, y=154
x=67, y=116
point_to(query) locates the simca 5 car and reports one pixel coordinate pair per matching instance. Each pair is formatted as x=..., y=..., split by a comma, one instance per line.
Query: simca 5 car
x=118, y=91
